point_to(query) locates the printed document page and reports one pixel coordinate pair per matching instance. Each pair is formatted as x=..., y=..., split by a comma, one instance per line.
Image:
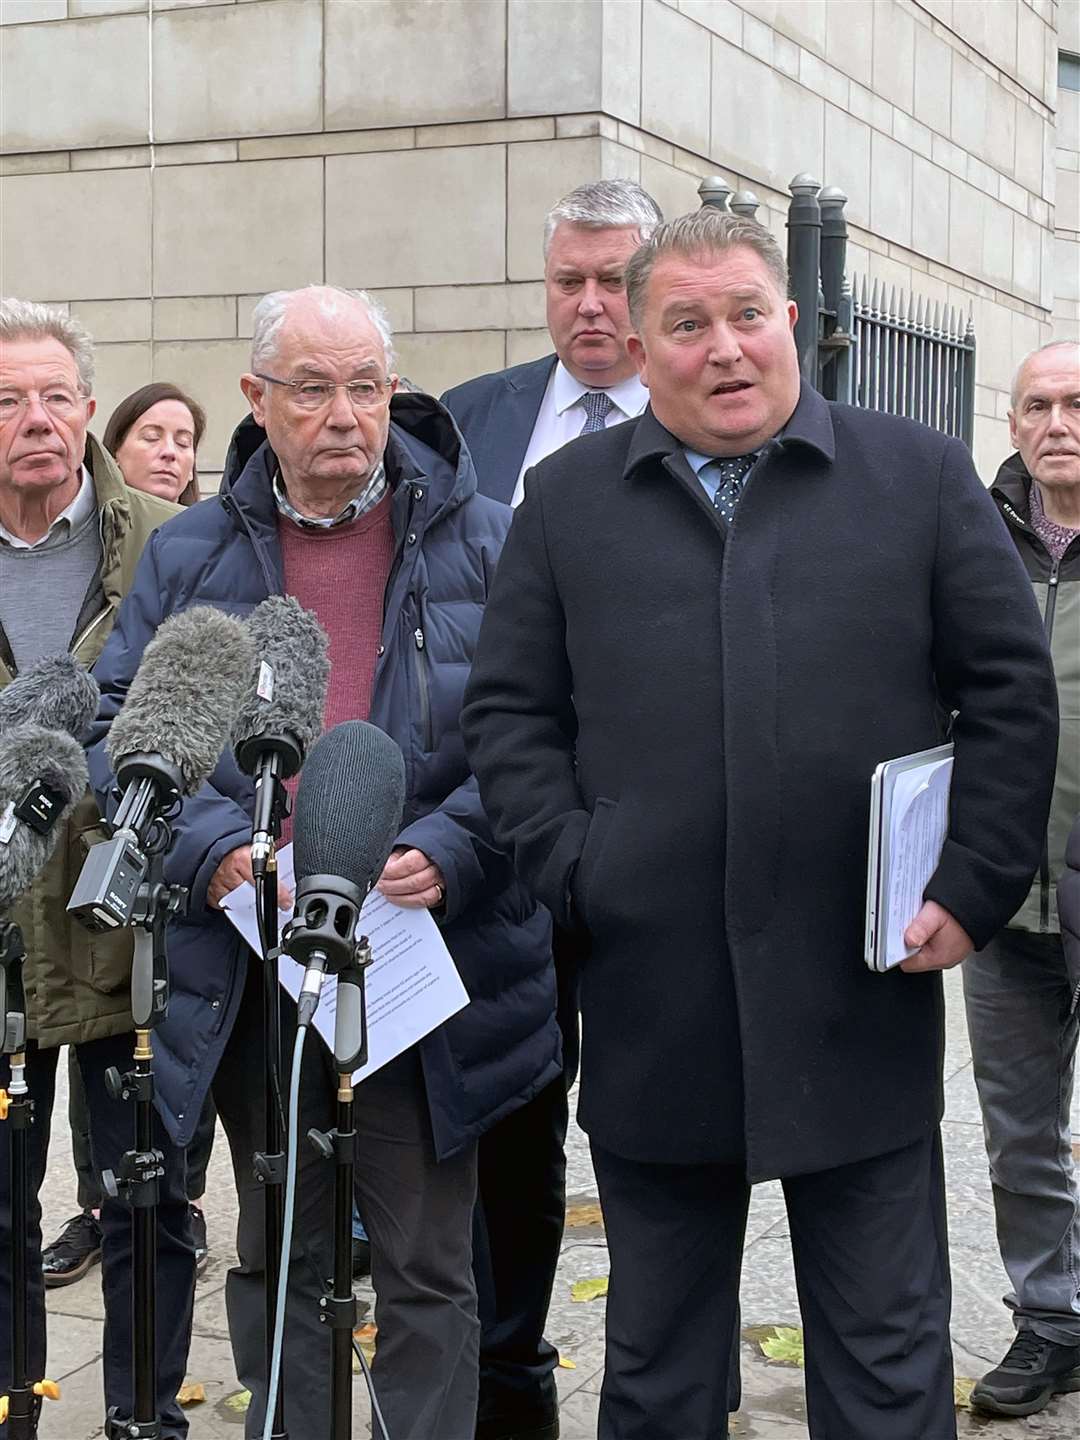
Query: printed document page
x=411, y=986
x=918, y=824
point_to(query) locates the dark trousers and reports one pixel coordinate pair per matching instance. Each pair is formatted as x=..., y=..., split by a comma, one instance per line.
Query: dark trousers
x=112, y=1131
x=872, y=1270
x=518, y=1225
x=417, y=1212
x=89, y=1185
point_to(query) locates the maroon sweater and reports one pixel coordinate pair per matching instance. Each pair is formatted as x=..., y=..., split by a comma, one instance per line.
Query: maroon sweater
x=341, y=575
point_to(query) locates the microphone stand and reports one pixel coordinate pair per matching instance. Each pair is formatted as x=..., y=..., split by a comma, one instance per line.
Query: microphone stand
x=19, y=1406
x=338, y=1310
x=141, y=1169
x=277, y=758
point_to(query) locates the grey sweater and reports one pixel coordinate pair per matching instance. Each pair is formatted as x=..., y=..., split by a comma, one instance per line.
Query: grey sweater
x=49, y=591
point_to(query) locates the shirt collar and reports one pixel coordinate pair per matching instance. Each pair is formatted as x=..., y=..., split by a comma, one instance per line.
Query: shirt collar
x=629, y=395
x=73, y=517
x=369, y=497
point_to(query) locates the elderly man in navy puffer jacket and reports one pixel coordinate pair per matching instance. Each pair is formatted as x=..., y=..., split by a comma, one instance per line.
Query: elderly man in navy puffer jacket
x=363, y=504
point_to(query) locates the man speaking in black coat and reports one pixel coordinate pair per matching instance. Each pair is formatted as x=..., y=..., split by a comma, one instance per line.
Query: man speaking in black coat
x=707, y=628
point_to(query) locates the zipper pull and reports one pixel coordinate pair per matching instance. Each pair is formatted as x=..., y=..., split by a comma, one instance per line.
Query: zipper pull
x=418, y=636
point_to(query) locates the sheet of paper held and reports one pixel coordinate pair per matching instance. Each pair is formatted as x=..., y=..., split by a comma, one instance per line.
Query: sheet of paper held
x=919, y=822
x=412, y=984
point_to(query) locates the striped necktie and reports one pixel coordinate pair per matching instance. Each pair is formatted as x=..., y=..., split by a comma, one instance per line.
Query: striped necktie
x=731, y=472
x=598, y=405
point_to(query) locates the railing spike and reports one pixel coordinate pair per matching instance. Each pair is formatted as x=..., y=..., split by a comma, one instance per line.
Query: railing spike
x=918, y=313
x=873, y=297
x=892, y=303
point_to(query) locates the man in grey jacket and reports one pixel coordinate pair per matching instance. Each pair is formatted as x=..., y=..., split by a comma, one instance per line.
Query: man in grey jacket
x=1022, y=989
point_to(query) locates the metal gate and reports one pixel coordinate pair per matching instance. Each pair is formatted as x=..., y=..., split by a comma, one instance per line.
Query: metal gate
x=856, y=343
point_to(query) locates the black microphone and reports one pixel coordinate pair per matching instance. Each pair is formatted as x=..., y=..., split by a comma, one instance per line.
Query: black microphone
x=348, y=814
x=281, y=714
x=57, y=693
x=163, y=745
x=42, y=778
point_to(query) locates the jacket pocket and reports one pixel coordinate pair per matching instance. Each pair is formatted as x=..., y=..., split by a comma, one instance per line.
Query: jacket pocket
x=422, y=661
x=102, y=961
x=583, y=886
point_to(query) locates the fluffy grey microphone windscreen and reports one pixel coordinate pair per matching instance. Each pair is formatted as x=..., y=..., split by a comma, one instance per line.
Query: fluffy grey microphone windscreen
x=185, y=694
x=348, y=805
x=57, y=692
x=286, y=694
x=33, y=756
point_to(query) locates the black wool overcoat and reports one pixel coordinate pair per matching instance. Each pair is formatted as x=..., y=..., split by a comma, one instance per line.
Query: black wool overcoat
x=674, y=729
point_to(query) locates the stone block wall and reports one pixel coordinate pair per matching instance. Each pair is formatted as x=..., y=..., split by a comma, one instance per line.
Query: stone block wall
x=1067, y=207
x=164, y=164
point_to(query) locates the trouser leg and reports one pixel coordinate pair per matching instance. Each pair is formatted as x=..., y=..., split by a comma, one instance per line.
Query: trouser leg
x=872, y=1270
x=199, y=1151
x=518, y=1233
x=418, y=1213
x=675, y=1238
x=1023, y=1044
x=88, y=1190
x=239, y=1097
x=41, y=1079
x=518, y=1227
x=112, y=1132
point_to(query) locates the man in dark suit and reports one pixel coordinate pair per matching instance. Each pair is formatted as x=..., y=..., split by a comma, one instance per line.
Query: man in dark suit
x=707, y=628
x=511, y=420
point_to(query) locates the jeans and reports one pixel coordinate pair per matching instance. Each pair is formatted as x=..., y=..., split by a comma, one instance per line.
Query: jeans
x=1023, y=1027
x=112, y=1131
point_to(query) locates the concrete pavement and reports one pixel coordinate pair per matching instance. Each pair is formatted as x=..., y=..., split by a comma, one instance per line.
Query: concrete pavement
x=773, y=1406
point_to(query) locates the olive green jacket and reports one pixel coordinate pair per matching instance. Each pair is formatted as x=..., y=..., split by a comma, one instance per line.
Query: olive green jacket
x=77, y=983
x=1057, y=589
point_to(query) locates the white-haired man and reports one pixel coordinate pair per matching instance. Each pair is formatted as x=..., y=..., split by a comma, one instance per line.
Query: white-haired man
x=362, y=503
x=1022, y=993
x=511, y=421
x=71, y=533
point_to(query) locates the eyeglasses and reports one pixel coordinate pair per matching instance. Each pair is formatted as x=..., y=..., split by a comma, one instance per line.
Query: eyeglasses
x=61, y=404
x=314, y=394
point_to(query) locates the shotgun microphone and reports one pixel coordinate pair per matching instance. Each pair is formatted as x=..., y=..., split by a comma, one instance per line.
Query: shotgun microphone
x=163, y=745
x=281, y=714
x=42, y=778
x=56, y=692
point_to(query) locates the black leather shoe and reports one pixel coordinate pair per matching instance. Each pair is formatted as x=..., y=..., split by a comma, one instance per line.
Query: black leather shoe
x=75, y=1249
x=1033, y=1370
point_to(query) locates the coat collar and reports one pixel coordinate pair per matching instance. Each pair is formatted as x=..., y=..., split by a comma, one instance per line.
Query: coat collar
x=810, y=427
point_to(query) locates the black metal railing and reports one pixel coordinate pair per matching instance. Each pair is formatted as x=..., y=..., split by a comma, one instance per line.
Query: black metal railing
x=904, y=358
x=911, y=359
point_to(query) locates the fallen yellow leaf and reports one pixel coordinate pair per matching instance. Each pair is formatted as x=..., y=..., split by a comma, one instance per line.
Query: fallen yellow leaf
x=238, y=1402
x=784, y=1346
x=592, y=1289
x=190, y=1393
x=567, y=1363
x=962, y=1388
x=578, y=1216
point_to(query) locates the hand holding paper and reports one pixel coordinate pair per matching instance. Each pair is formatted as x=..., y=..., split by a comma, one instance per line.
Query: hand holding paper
x=412, y=985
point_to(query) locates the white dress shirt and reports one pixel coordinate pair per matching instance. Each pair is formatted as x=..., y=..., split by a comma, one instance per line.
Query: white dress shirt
x=561, y=416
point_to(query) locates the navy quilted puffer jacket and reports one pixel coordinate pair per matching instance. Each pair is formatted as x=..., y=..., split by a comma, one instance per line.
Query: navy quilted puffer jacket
x=503, y=1047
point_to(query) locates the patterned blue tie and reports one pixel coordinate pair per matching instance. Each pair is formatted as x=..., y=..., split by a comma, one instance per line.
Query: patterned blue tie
x=731, y=471
x=598, y=405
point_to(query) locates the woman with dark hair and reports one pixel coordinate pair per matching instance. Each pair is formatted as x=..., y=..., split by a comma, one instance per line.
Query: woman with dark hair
x=154, y=437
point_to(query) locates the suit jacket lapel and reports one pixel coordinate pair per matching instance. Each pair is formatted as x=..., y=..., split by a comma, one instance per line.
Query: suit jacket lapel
x=514, y=408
